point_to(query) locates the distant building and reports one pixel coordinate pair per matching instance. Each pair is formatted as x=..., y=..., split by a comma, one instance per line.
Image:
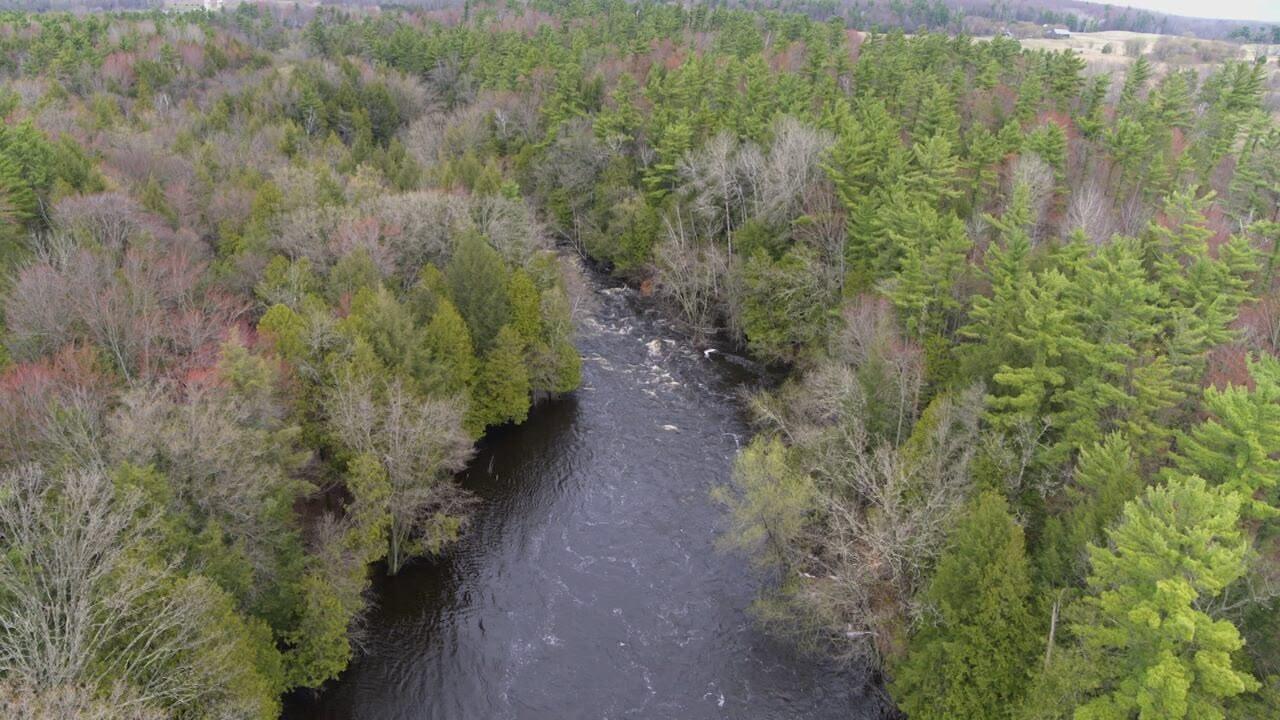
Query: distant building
x=1057, y=33
x=185, y=5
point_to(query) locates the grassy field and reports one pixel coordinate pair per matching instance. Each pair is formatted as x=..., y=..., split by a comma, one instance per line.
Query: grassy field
x=1114, y=50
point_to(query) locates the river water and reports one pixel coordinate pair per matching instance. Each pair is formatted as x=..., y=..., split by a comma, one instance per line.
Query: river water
x=588, y=585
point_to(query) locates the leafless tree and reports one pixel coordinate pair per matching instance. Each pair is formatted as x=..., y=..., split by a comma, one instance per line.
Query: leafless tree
x=83, y=608
x=884, y=518
x=55, y=409
x=572, y=167
x=870, y=338
x=112, y=220
x=147, y=309
x=690, y=275
x=728, y=182
x=71, y=702
x=419, y=227
x=721, y=187
x=887, y=494
x=1037, y=176
x=419, y=443
x=794, y=163
x=1090, y=211
x=510, y=226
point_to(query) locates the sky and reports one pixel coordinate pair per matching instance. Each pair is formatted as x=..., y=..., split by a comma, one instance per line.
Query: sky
x=1266, y=10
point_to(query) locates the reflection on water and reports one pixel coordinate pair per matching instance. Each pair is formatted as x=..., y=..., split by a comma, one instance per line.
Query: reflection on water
x=588, y=585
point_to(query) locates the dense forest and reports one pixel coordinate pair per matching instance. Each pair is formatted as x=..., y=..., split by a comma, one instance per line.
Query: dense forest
x=270, y=273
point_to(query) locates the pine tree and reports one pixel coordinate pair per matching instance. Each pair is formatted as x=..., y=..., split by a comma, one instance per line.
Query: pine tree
x=937, y=116
x=1200, y=294
x=933, y=262
x=1106, y=477
x=867, y=154
x=1156, y=653
x=972, y=662
x=1008, y=268
x=1066, y=77
x=621, y=121
x=933, y=177
x=1038, y=348
x=1236, y=446
x=1135, y=82
x=1049, y=141
x=1130, y=147
x=1030, y=95
x=1118, y=380
x=17, y=199
x=1090, y=119
x=673, y=140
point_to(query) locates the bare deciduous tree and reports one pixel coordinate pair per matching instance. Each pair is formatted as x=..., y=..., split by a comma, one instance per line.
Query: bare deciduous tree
x=793, y=164
x=1036, y=175
x=885, y=515
x=722, y=187
x=148, y=309
x=71, y=702
x=55, y=410
x=84, y=608
x=1090, y=211
x=690, y=275
x=418, y=442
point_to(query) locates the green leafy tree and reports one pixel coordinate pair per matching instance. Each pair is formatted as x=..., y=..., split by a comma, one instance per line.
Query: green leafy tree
x=770, y=503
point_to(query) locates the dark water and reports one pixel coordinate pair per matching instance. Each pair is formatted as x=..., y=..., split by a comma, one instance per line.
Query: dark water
x=588, y=585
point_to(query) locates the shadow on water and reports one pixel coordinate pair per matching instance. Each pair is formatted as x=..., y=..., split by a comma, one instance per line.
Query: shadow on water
x=588, y=585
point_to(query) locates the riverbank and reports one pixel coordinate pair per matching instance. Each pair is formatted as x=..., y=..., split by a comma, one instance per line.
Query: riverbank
x=589, y=584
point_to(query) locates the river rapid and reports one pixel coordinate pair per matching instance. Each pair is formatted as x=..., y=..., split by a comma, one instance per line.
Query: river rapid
x=588, y=584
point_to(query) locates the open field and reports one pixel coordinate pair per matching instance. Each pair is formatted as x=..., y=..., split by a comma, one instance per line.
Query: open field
x=1114, y=50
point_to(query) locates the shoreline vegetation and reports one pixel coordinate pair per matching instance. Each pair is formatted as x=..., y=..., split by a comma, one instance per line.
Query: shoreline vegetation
x=269, y=273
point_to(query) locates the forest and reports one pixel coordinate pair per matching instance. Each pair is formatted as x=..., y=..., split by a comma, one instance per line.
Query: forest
x=267, y=276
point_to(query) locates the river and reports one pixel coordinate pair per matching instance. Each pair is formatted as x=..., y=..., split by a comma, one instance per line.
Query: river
x=588, y=584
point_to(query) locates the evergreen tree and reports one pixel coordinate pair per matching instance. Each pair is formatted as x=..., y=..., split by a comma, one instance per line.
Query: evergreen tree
x=1106, y=477
x=501, y=393
x=972, y=662
x=478, y=287
x=933, y=263
x=450, y=362
x=1237, y=445
x=621, y=121
x=1118, y=380
x=389, y=329
x=525, y=303
x=1008, y=268
x=1156, y=652
x=1135, y=82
